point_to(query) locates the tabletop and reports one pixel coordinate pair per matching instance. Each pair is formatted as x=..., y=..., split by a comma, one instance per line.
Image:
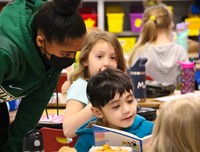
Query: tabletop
x=52, y=106
x=61, y=100
x=149, y=102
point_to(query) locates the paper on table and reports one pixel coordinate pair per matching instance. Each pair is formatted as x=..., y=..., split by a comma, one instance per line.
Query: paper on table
x=177, y=96
x=53, y=119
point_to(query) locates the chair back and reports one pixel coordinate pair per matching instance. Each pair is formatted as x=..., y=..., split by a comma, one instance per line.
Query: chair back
x=54, y=139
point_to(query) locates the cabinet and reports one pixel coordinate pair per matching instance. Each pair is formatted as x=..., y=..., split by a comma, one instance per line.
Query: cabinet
x=128, y=38
x=180, y=10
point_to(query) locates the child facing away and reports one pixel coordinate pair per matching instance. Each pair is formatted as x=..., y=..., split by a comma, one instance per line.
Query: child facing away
x=155, y=43
x=177, y=126
x=100, y=51
x=111, y=95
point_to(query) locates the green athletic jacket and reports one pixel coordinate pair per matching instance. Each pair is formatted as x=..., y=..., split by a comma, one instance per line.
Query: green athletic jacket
x=22, y=71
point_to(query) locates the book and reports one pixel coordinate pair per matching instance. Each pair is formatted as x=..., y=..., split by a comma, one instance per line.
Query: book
x=114, y=137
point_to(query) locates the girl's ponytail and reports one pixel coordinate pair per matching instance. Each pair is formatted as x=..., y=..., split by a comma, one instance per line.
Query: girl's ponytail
x=149, y=30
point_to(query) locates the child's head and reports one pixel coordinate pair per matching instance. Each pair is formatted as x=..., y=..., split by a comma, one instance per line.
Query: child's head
x=177, y=126
x=155, y=19
x=149, y=3
x=100, y=51
x=111, y=95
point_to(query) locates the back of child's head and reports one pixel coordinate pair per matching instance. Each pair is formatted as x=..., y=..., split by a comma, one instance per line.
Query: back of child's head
x=177, y=126
x=156, y=18
x=149, y=3
x=93, y=37
x=103, y=86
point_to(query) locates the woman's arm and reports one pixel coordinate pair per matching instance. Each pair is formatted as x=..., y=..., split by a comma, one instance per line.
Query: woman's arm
x=76, y=114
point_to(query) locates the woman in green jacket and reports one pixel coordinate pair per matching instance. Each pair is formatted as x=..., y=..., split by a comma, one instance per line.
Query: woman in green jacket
x=38, y=39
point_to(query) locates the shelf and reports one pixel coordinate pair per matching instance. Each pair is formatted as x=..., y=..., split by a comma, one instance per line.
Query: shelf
x=101, y=14
x=127, y=34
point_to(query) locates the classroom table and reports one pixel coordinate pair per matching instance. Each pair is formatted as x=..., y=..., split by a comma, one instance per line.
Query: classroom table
x=53, y=109
x=193, y=55
x=150, y=102
x=60, y=111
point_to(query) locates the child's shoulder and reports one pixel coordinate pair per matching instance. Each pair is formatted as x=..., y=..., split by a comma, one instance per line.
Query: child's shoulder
x=78, y=90
x=79, y=81
x=143, y=127
x=140, y=121
x=86, y=127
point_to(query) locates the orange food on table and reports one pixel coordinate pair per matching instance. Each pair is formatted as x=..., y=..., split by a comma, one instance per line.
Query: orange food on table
x=107, y=148
x=67, y=149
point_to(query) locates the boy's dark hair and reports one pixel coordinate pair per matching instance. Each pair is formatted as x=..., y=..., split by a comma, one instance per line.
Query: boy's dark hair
x=103, y=86
x=59, y=20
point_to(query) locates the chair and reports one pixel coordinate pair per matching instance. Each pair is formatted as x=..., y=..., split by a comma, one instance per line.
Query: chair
x=54, y=139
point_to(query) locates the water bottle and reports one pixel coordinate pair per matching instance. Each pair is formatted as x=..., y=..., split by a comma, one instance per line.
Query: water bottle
x=187, y=77
x=138, y=75
x=182, y=34
x=33, y=142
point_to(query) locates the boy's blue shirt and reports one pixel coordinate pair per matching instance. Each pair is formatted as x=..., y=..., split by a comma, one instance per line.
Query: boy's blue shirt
x=140, y=127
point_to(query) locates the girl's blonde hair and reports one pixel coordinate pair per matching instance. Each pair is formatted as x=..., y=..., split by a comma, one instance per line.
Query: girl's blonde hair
x=149, y=3
x=155, y=18
x=92, y=38
x=177, y=126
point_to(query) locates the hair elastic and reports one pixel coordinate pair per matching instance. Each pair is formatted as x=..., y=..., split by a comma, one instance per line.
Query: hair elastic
x=153, y=18
x=151, y=3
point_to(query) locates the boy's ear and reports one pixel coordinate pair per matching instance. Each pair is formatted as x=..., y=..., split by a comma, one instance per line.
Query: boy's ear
x=97, y=112
x=40, y=41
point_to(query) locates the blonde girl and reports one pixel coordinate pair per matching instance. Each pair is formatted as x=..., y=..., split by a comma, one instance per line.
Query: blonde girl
x=100, y=51
x=177, y=126
x=156, y=44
